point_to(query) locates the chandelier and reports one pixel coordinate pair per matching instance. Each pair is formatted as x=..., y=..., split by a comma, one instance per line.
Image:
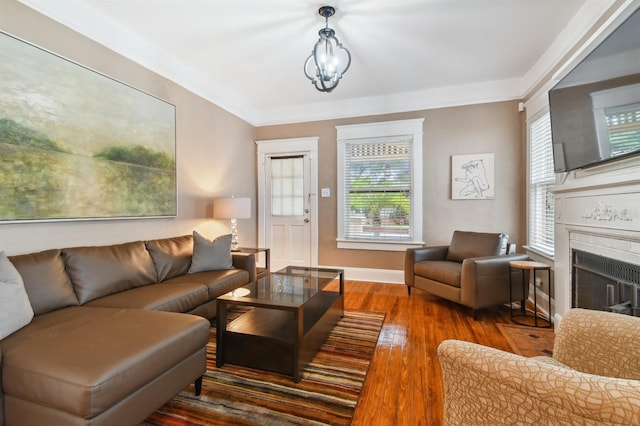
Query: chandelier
x=328, y=60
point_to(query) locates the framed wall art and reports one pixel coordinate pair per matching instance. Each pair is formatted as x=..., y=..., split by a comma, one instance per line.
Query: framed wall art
x=472, y=177
x=76, y=144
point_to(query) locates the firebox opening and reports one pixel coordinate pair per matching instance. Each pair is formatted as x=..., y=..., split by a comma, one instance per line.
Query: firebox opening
x=604, y=284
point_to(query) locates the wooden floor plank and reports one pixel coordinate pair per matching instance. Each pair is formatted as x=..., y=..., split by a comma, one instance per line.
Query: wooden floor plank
x=404, y=383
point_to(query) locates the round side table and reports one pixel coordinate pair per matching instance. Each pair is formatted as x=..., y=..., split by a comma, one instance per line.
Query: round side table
x=526, y=267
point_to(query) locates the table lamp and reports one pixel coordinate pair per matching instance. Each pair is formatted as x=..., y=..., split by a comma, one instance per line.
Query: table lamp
x=232, y=208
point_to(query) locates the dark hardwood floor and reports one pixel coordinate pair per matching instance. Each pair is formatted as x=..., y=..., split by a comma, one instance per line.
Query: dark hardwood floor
x=404, y=385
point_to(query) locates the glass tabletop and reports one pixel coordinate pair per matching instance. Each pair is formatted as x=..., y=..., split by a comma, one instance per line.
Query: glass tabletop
x=290, y=286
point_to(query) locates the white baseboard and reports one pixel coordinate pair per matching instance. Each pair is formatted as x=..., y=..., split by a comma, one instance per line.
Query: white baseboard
x=390, y=276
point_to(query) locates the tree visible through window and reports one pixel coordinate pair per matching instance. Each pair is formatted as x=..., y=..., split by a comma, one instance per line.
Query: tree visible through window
x=378, y=190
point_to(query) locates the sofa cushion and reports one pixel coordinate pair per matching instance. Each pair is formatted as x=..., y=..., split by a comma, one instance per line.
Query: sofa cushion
x=46, y=281
x=466, y=245
x=439, y=270
x=171, y=256
x=211, y=255
x=217, y=282
x=99, y=271
x=15, y=309
x=182, y=297
x=84, y=360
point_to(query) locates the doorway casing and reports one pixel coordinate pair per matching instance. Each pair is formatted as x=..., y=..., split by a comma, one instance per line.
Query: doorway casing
x=308, y=147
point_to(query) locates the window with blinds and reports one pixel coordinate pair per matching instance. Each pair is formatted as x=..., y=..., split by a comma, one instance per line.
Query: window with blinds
x=380, y=185
x=541, y=178
x=377, y=190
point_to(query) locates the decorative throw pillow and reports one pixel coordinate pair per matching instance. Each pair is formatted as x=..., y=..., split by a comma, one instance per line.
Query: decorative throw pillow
x=211, y=255
x=15, y=309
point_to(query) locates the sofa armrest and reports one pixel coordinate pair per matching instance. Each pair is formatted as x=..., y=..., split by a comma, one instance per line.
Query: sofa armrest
x=246, y=262
x=486, y=386
x=602, y=343
x=418, y=254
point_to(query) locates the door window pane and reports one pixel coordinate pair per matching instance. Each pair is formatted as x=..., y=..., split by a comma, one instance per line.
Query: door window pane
x=287, y=186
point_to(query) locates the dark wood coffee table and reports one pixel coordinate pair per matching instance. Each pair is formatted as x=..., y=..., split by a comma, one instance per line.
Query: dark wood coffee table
x=289, y=315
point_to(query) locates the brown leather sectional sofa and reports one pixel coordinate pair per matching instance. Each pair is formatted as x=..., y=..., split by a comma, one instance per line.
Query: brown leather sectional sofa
x=110, y=341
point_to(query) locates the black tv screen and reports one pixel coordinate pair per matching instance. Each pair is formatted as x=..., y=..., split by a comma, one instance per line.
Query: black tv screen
x=595, y=108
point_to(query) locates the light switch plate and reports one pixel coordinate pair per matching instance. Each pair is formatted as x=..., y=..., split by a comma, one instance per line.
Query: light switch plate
x=325, y=192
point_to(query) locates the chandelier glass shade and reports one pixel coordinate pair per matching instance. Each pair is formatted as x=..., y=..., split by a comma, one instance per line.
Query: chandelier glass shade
x=328, y=60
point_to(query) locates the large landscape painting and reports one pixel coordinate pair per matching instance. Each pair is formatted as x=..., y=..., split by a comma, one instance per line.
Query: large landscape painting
x=75, y=144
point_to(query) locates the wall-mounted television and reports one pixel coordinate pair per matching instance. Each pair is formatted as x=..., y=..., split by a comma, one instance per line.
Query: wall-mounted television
x=595, y=108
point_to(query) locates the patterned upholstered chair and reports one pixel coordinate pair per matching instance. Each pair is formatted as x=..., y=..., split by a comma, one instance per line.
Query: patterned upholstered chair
x=592, y=379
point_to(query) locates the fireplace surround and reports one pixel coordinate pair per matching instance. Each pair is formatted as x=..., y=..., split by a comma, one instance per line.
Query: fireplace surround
x=598, y=215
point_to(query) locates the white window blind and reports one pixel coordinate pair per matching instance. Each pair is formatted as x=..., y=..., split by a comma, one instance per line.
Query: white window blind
x=541, y=178
x=380, y=185
x=378, y=189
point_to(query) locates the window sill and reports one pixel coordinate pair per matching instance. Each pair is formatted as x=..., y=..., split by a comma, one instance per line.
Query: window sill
x=539, y=253
x=378, y=245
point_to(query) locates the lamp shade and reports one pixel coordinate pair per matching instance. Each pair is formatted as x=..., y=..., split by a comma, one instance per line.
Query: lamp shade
x=232, y=208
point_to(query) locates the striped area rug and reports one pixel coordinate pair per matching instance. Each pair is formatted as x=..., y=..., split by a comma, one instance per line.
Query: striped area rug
x=327, y=394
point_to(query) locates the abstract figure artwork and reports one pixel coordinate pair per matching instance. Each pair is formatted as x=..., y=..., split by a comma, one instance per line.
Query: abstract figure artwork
x=472, y=177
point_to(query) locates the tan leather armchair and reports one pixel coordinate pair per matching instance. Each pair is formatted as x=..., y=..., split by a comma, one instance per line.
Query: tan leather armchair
x=473, y=270
x=593, y=377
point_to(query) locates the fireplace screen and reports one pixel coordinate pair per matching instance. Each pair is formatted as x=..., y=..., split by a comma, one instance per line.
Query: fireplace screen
x=605, y=284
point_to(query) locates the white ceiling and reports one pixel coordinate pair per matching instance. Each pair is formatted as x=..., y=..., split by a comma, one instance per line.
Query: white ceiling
x=247, y=56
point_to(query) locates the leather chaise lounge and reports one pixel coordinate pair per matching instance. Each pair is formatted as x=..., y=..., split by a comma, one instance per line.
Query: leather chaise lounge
x=110, y=341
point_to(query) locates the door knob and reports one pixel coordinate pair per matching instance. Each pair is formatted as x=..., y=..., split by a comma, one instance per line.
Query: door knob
x=306, y=221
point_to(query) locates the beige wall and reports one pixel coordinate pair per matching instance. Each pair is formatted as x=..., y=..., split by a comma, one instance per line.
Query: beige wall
x=495, y=127
x=216, y=156
x=215, y=150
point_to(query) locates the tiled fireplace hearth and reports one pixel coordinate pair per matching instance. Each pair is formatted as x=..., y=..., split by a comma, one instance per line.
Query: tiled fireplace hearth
x=597, y=215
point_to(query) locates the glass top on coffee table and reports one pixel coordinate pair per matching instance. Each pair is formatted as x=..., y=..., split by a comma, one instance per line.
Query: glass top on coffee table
x=291, y=286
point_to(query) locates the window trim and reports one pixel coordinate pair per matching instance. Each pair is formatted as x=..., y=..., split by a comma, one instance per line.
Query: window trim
x=410, y=129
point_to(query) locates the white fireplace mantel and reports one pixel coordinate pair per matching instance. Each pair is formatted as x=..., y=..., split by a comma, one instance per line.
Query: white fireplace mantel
x=598, y=211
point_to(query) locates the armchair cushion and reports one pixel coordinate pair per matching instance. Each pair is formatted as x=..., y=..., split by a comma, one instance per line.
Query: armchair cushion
x=476, y=244
x=440, y=270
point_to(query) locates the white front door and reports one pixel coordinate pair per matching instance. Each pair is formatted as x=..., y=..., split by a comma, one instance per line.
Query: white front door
x=287, y=207
x=287, y=203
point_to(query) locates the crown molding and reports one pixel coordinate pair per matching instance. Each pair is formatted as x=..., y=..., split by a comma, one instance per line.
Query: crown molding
x=91, y=23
